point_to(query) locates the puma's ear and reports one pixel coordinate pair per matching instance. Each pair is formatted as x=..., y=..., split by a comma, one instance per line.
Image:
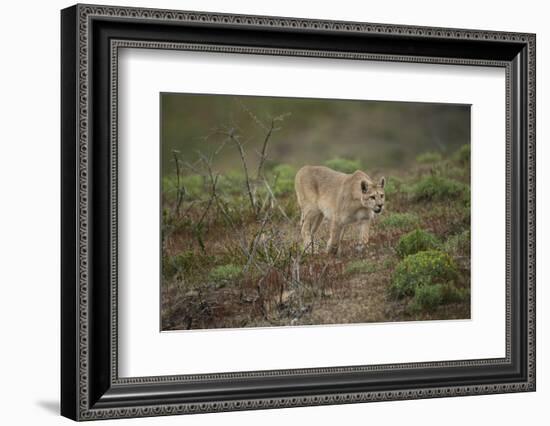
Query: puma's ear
x=364, y=187
x=382, y=182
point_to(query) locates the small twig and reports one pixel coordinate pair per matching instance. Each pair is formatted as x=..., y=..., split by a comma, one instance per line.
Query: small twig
x=193, y=168
x=199, y=225
x=213, y=182
x=238, y=144
x=180, y=190
x=274, y=200
x=255, y=241
x=263, y=154
x=251, y=114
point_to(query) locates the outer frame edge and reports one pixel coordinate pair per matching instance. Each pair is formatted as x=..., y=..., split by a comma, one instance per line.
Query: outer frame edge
x=88, y=414
x=69, y=337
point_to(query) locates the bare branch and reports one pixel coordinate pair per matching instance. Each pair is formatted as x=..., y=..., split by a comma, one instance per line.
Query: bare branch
x=231, y=135
x=180, y=189
x=253, y=116
x=269, y=133
x=263, y=154
x=257, y=237
x=193, y=167
x=210, y=201
x=274, y=200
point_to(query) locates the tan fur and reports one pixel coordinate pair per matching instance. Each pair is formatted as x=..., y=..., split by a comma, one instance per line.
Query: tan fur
x=340, y=198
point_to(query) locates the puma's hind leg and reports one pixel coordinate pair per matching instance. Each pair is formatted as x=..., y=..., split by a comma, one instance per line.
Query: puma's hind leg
x=335, y=238
x=311, y=219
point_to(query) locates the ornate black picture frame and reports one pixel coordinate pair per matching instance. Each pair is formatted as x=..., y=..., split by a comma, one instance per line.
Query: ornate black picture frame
x=91, y=36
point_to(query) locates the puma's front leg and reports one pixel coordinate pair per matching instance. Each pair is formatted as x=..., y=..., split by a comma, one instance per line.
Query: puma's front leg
x=365, y=230
x=335, y=236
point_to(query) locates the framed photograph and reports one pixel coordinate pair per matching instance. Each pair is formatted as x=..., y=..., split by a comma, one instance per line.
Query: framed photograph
x=263, y=212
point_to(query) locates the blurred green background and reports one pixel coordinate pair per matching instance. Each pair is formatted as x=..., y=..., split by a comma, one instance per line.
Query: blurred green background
x=378, y=134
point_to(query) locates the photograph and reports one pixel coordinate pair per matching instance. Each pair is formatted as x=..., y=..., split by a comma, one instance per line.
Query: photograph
x=279, y=211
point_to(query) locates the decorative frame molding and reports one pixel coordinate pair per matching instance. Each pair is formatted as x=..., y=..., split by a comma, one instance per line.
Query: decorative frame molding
x=91, y=388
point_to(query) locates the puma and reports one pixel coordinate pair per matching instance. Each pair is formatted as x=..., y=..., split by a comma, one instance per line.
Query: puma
x=340, y=198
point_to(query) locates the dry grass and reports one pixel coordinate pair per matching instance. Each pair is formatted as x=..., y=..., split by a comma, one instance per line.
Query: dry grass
x=314, y=289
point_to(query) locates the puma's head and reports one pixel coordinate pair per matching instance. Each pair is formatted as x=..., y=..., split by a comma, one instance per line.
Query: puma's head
x=371, y=194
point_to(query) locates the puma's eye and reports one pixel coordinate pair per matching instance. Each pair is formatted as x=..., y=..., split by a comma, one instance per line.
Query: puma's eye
x=381, y=195
x=372, y=197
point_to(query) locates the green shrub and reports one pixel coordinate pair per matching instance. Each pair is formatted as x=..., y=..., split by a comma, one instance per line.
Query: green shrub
x=429, y=297
x=360, y=267
x=192, y=186
x=462, y=156
x=399, y=221
x=436, y=188
x=284, y=171
x=231, y=183
x=428, y=157
x=389, y=263
x=415, y=241
x=467, y=197
x=283, y=176
x=180, y=263
x=453, y=172
x=422, y=269
x=453, y=294
x=169, y=187
x=343, y=165
x=225, y=273
x=458, y=244
x=393, y=185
